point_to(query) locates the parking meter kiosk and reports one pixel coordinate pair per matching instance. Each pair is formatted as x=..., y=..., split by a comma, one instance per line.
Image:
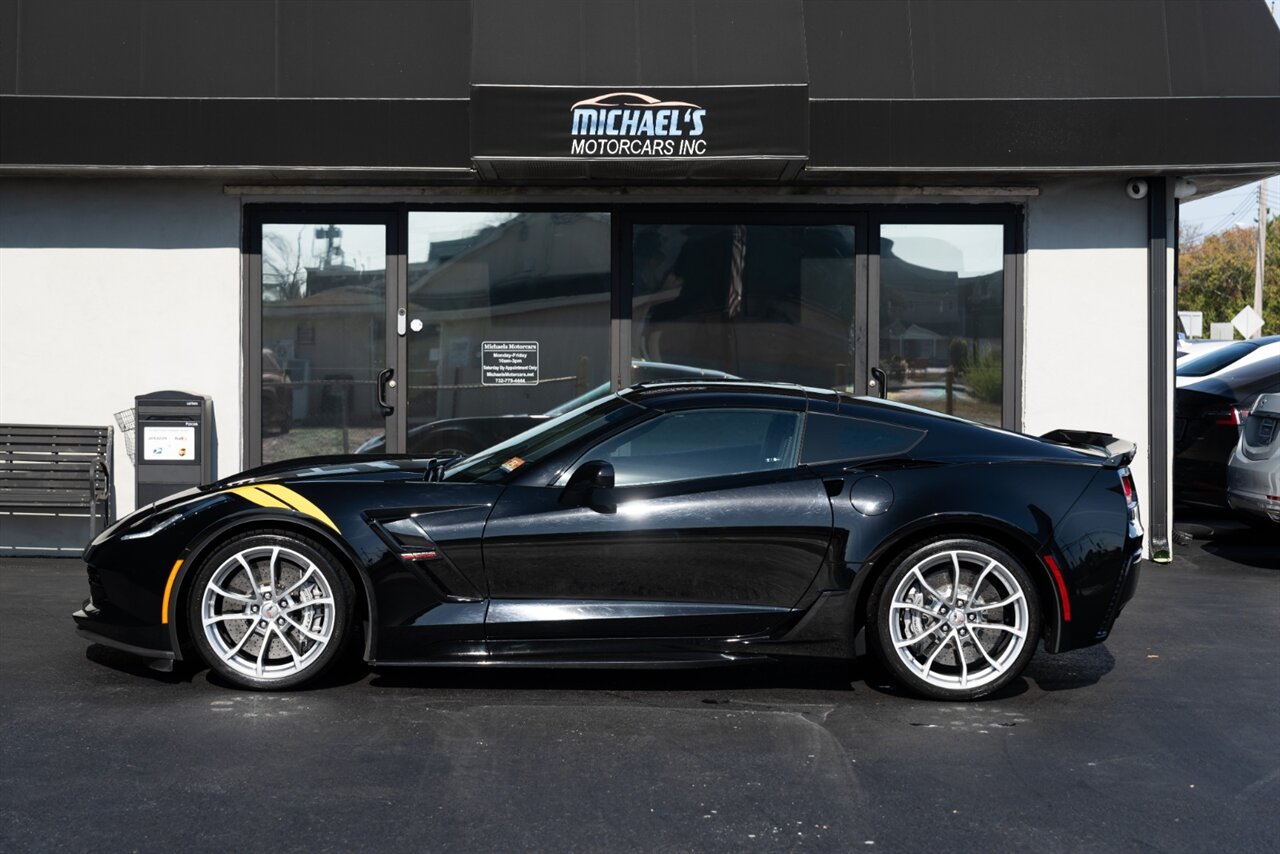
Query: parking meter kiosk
x=174, y=443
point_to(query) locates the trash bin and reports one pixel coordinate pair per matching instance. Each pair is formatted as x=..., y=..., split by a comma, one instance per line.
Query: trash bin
x=173, y=443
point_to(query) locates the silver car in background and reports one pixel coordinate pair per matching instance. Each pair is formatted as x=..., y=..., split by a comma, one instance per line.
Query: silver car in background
x=1253, y=474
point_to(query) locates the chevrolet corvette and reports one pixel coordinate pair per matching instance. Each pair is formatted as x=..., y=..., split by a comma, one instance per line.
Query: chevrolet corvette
x=685, y=524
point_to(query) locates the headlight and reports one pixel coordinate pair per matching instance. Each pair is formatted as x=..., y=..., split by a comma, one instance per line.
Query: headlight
x=180, y=513
x=167, y=522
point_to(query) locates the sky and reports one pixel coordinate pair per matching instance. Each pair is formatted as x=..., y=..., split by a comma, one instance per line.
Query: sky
x=1223, y=211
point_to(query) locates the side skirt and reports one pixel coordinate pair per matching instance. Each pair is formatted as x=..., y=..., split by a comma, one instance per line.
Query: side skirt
x=692, y=661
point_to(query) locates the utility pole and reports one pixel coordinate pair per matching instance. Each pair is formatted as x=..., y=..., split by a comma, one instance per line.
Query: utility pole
x=1260, y=266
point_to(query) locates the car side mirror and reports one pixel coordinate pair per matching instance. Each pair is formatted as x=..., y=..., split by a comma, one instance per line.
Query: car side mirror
x=589, y=486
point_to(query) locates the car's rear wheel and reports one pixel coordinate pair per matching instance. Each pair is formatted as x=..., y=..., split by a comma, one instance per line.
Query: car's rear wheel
x=270, y=610
x=956, y=618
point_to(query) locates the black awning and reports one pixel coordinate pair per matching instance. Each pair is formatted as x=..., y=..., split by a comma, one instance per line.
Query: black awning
x=853, y=91
x=1043, y=85
x=616, y=92
x=654, y=43
x=243, y=133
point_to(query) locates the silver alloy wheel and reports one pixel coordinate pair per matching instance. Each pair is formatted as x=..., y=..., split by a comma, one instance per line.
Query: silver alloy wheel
x=959, y=620
x=268, y=612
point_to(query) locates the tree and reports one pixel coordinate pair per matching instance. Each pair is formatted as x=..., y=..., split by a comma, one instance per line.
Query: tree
x=1216, y=275
x=284, y=276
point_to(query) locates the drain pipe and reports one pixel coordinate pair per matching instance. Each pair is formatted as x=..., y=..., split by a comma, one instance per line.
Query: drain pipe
x=1161, y=313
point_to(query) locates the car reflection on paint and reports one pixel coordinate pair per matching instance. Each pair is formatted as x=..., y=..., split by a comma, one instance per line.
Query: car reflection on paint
x=690, y=524
x=469, y=434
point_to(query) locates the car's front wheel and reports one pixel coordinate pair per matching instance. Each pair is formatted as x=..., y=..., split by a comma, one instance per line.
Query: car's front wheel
x=956, y=618
x=270, y=610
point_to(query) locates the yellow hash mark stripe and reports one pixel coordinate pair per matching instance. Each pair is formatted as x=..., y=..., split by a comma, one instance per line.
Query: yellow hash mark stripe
x=275, y=495
x=168, y=589
x=257, y=496
x=297, y=502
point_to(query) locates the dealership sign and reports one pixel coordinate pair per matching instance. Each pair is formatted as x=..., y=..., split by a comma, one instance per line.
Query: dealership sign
x=639, y=123
x=629, y=124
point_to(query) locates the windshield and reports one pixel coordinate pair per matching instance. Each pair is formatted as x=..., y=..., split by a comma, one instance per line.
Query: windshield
x=1215, y=360
x=581, y=400
x=496, y=463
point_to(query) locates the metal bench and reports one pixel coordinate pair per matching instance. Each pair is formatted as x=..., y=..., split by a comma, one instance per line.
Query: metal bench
x=51, y=478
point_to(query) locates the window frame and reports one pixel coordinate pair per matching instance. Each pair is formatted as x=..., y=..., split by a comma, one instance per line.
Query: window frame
x=624, y=213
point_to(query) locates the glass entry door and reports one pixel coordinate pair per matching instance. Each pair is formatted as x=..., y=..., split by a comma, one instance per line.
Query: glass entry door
x=325, y=364
x=506, y=323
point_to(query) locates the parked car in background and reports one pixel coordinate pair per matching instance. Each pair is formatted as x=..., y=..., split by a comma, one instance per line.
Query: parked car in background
x=1207, y=415
x=1188, y=347
x=467, y=435
x=1208, y=363
x=1253, y=475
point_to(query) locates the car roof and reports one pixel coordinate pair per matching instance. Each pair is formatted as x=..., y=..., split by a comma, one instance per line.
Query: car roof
x=1248, y=378
x=712, y=385
x=1223, y=358
x=661, y=389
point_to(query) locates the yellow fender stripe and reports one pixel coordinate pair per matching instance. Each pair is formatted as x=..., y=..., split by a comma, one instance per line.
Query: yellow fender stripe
x=282, y=497
x=168, y=589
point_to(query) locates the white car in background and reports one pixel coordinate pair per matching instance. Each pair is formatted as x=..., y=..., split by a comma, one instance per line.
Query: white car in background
x=1191, y=347
x=1233, y=354
x=1253, y=474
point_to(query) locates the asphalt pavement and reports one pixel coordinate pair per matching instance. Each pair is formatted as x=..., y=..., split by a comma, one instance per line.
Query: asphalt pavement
x=1166, y=738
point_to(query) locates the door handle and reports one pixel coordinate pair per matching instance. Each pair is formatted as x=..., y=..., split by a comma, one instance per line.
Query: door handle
x=385, y=381
x=880, y=382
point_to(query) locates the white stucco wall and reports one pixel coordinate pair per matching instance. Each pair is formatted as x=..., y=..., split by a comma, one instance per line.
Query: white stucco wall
x=112, y=288
x=1085, y=357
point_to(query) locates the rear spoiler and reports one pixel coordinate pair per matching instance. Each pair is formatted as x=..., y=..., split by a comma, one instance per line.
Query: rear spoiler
x=1118, y=452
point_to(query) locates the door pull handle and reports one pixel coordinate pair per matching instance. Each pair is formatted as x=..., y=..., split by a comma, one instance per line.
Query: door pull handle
x=880, y=382
x=385, y=382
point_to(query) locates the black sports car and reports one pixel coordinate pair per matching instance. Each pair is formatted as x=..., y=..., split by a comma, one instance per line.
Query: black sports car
x=673, y=524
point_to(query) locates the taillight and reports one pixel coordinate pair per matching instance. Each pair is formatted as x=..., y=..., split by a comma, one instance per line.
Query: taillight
x=1233, y=417
x=1130, y=491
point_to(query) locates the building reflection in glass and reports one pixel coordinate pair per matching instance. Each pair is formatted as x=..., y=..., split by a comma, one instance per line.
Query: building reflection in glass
x=942, y=317
x=762, y=302
x=323, y=337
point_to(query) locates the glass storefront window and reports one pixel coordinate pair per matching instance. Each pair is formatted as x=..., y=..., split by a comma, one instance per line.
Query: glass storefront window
x=490, y=322
x=942, y=317
x=323, y=336
x=762, y=302
x=479, y=279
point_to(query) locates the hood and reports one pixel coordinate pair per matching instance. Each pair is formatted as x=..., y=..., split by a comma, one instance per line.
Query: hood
x=344, y=467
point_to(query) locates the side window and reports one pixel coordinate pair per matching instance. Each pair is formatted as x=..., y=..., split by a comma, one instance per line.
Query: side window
x=701, y=443
x=835, y=437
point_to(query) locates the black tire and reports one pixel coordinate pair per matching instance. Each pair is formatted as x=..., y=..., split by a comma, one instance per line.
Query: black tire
x=958, y=653
x=297, y=612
